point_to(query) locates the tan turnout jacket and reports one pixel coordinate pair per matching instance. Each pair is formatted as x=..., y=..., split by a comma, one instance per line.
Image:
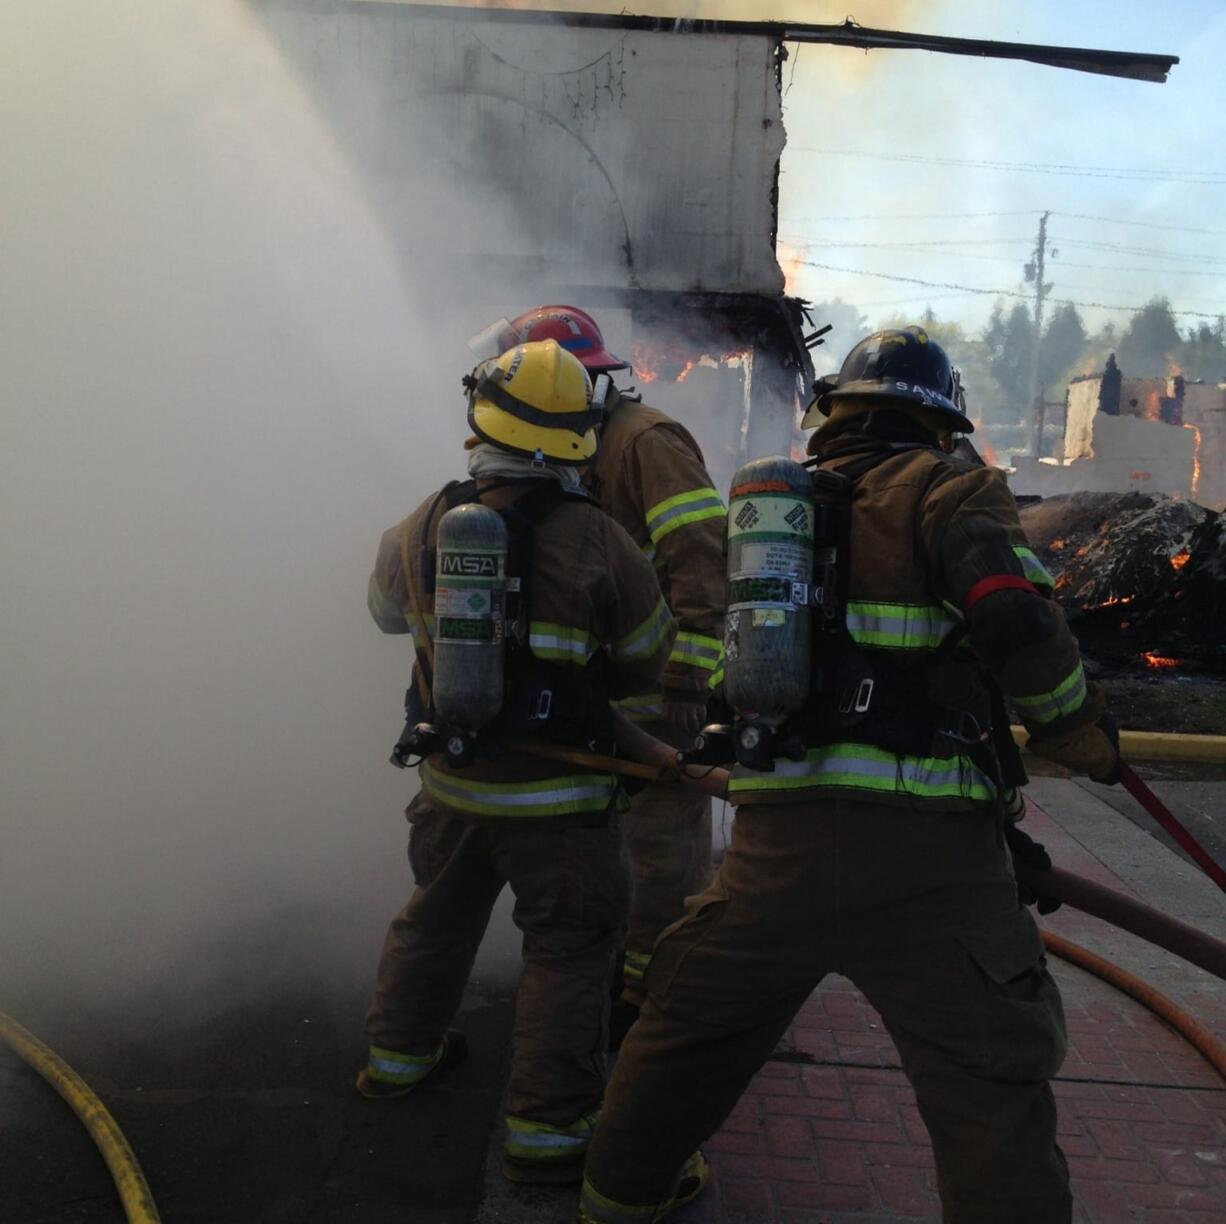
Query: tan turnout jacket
x=936, y=544
x=649, y=475
x=591, y=590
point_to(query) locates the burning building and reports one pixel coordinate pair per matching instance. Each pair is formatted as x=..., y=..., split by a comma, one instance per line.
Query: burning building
x=1149, y=435
x=626, y=164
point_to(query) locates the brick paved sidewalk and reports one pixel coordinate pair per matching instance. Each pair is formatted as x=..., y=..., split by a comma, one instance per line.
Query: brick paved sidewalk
x=829, y=1132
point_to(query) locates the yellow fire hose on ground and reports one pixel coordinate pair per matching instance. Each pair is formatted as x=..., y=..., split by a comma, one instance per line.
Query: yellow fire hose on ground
x=95, y=1117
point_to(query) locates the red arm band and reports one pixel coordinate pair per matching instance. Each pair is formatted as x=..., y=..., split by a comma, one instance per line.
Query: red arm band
x=997, y=582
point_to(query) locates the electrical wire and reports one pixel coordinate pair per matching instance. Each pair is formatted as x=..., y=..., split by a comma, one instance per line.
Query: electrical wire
x=1011, y=293
x=1143, y=174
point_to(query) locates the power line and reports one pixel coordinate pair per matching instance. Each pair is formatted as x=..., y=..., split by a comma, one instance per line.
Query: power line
x=1011, y=293
x=1154, y=225
x=1191, y=177
x=1019, y=212
x=936, y=242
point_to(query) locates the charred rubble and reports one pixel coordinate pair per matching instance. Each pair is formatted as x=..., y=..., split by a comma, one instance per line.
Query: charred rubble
x=1141, y=577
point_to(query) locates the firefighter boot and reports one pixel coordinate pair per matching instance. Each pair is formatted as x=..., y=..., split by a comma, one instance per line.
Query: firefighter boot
x=595, y=1208
x=389, y=1075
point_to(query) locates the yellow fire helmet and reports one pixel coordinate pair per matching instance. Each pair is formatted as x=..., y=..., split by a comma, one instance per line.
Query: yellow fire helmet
x=535, y=400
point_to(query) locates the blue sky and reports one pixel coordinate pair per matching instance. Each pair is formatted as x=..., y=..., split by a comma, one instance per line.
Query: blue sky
x=946, y=107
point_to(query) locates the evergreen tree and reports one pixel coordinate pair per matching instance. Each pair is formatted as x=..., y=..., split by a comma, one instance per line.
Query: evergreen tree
x=1151, y=341
x=1008, y=341
x=1203, y=354
x=1063, y=342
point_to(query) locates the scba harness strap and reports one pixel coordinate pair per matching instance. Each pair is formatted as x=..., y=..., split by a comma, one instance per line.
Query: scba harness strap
x=863, y=692
x=559, y=702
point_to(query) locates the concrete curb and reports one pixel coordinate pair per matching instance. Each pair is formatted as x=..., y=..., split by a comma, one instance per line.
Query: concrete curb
x=1159, y=746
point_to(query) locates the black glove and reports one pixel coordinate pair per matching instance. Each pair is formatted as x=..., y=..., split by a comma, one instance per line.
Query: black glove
x=1112, y=776
x=1030, y=853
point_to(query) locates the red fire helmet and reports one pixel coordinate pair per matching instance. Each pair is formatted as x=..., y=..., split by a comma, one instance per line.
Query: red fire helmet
x=574, y=329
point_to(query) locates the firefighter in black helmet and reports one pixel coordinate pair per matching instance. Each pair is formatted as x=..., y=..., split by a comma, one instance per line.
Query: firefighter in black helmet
x=874, y=847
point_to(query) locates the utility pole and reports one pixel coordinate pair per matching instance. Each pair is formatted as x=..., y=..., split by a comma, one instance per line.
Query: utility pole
x=1034, y=272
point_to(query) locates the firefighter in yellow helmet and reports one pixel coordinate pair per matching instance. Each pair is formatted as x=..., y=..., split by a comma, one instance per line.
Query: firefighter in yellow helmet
x=650, y=476
x=577, y=618
x=876, y=846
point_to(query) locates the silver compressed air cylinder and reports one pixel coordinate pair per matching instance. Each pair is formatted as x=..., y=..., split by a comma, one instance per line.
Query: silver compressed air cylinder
x=469, y=598
x=768, y=630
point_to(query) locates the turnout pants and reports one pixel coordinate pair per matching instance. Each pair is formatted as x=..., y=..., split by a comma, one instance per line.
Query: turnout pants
x=920, y=910
x=668, y=831
x=571, y=892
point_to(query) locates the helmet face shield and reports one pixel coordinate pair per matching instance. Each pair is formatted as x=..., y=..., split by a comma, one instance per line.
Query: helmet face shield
x=574, y=329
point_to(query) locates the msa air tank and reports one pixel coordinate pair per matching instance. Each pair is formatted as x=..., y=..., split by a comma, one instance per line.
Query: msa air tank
x=469, y=638
x=769, y=626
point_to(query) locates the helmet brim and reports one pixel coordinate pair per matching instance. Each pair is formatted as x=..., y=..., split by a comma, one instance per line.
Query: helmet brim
x=498, y=427
x=897, y=389
x=597, y=361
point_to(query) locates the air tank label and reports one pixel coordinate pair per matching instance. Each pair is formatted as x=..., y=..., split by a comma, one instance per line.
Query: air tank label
x=767, y=517
x=459, y=629
x=468, y=603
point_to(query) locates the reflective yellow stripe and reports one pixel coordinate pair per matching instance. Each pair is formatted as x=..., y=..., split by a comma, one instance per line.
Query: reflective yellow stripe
x=634, y=966
x=561, y=796
x=644, y=640
x=860, y=767
x=692, y=507
x=697, y=650
x=646, y=707
x=898, y=626
x=1066, y=698
x=561, y=643
x=538, y=1141
x=389, y=1067
x=1033, y=568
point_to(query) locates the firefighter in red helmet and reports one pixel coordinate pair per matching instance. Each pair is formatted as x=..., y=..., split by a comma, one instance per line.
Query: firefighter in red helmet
x=650, y=476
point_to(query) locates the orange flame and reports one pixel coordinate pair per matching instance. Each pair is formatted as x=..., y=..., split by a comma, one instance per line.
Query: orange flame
x=1173, y=368
x=1180, y=559
x=1115, y=599
x=1153, y=409
x=1057, y=544
x=989, y=454
x=790, y=261
x=1195, y=459
x=1160, y=661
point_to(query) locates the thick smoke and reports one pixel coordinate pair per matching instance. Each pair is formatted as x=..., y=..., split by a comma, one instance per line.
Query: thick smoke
x=218, y=390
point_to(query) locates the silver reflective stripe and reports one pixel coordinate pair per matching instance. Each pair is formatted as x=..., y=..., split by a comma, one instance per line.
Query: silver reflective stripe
x=1065, y=699
x=692, y=507
x=862, y=767
x=546, y=797
x=551, y=1139
x=898, y=626
x=641, y=642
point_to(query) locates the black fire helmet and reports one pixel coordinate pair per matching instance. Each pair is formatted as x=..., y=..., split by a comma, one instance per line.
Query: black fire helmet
x=898, y=364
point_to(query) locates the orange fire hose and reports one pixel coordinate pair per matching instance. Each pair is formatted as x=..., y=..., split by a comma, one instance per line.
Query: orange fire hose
x=1191, y=1030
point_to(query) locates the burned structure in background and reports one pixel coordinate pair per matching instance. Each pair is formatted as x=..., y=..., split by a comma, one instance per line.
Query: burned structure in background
x=1152, y=435
x=515, y=161
x=625, y=164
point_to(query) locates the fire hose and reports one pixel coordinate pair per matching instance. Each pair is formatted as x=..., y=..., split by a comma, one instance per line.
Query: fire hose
x=1166, y=818
x=653, y=760
x=94, y=1116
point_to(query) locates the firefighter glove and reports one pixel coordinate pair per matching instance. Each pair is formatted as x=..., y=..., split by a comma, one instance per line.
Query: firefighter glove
x=1088, y=749
x=1030, y=854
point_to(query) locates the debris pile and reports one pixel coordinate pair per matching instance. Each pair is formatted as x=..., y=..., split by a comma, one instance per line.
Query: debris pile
x=1142, y=577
